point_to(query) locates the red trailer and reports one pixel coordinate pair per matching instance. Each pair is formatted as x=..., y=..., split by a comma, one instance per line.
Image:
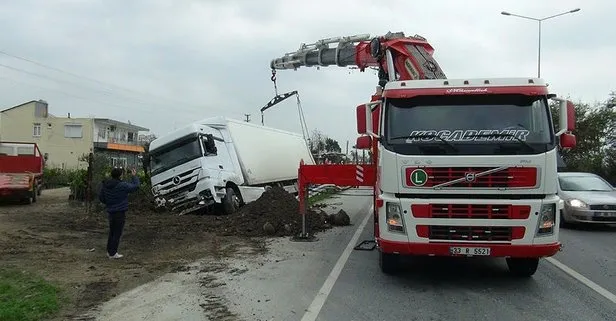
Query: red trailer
x=21, y=171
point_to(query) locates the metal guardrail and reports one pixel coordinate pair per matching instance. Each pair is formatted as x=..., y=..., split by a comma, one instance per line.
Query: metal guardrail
x=318, y=189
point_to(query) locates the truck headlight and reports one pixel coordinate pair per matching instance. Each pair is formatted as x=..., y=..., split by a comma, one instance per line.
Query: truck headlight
x=576, y=203
x=547, y=220
x=393, y=215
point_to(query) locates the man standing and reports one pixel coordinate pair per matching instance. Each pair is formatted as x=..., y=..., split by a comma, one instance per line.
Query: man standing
x=114, y=194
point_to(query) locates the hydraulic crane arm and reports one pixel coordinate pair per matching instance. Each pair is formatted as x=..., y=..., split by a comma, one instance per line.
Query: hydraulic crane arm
x=409, y=58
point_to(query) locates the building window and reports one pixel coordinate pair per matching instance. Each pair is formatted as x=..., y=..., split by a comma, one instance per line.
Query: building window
x=102, y=132
x=73, y=131
x=131, y=137
x=118, y=162
x=36, y=130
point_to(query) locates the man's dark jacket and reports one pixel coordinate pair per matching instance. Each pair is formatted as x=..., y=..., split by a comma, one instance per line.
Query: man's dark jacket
x=114, y=194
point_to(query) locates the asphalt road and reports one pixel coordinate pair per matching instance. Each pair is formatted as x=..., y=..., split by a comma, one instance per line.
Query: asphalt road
x=591, y=250
x=478, y=289
x=327, y=280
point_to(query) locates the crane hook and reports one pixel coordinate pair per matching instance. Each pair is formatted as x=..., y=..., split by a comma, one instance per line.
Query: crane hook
x=273, y=78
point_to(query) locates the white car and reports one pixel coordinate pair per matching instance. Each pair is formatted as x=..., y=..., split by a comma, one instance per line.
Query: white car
x=588, y=199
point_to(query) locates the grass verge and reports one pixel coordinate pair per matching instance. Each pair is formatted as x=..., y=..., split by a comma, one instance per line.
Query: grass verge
x=26, y=297
x=323, y=195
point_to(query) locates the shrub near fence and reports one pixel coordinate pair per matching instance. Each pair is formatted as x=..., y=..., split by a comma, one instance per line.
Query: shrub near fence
x=86, y=184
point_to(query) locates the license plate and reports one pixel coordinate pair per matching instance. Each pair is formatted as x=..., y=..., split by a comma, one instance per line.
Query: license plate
x=458, y=250
x=605, y=214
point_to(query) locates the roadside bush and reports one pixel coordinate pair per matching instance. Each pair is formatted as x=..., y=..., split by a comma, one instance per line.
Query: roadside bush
x=56, y=177
x=101, y=170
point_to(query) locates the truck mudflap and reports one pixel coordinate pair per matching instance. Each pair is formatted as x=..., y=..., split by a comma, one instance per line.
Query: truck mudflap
x=458, y=249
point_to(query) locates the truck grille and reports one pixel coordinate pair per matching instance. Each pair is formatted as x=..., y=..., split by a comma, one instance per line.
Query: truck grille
x=472, y=211
x=465, y=177
x=178, y=193
x=471, y=233
x=170, y=189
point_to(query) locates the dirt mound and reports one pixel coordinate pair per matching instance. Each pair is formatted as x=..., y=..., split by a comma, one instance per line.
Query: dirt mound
x=276, y=212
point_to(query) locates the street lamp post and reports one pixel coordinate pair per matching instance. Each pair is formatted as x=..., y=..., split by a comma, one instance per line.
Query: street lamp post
x=539, y=20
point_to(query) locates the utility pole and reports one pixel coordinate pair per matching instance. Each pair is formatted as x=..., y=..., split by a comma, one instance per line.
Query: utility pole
x=539, y=20
x=247, y=117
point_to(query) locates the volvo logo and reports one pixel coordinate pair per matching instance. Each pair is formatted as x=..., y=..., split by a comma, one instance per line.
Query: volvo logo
x=176, y=180
x=605, y=207
x=470, y=176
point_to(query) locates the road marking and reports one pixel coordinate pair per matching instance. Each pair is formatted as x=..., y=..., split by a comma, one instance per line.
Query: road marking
x=317, y=304
x=594, y=286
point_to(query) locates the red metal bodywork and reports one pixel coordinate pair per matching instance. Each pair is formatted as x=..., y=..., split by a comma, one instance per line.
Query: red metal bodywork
x=400, y=52
x=21, y=174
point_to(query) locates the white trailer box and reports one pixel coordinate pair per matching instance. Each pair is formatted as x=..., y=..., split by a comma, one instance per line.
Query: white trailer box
x=265, y=154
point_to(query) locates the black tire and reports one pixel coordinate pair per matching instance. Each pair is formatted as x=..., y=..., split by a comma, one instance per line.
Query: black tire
x=563, y=222
x=232, y=202
x=389, y=263
x=522, y=267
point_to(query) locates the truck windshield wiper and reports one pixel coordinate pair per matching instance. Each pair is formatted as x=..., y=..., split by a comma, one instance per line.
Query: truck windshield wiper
x=525, y=144
x=450, y=145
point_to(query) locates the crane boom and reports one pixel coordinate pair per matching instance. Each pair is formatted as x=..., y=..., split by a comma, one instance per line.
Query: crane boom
x=409, y=57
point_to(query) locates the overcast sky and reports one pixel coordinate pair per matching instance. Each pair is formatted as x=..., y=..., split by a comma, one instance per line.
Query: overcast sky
x=162, y=64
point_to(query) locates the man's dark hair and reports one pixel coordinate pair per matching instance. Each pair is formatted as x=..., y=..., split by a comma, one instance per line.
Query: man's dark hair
x=116, y=173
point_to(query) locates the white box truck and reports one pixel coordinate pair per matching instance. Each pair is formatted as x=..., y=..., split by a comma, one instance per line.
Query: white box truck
x=224, y=162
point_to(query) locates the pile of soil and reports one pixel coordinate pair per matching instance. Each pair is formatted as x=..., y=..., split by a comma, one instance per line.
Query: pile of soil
x=275, y=213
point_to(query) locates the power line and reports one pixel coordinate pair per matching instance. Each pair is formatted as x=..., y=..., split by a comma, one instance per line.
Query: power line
x=102, y=103
x=84, y=77
x=109, y=94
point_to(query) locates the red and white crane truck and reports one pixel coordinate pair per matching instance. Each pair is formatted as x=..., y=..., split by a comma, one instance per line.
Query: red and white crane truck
x=460, y=167
x=21, y=171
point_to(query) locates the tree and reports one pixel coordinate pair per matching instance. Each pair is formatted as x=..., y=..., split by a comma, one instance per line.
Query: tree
x=322, y=146
x=596, y=138
x=331, y=146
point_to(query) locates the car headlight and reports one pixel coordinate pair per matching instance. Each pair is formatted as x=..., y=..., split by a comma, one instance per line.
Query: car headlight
x=576, y=203
x=393, y=215
x=547, y=220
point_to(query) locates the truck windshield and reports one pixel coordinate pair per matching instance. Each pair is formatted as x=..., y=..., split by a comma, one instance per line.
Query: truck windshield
x=471, y=124
x=174, y=154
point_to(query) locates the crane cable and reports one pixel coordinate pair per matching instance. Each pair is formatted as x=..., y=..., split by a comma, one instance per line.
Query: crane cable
x=302, y=118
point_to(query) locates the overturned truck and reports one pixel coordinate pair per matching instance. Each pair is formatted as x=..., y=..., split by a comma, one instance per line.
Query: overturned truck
x=223, y=163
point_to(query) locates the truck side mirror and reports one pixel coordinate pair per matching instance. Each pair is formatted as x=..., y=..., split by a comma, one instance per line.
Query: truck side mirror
x=361, y=119
x=567, y=141
x=363, y=142
x=570, y=116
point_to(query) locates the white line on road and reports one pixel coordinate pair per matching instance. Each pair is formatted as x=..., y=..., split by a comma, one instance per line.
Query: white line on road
x=594, y=286
x=317, y=304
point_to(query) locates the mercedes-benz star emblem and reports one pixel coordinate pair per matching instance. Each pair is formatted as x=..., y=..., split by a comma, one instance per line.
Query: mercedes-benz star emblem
x=469, y=177
x=176, y=180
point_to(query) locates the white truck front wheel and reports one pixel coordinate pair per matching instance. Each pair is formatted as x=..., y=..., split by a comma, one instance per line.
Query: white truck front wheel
x=231, y=202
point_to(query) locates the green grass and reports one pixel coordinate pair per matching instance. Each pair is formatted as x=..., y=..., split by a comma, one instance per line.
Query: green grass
x=26, y=297
x=325, y=194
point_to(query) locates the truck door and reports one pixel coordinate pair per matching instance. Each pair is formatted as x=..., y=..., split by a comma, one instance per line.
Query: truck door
x=218, y=157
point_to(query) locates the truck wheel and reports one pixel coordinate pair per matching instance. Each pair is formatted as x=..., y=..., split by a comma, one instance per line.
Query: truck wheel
x=524, y=267
x=563, y=221
x=232, y=202
x=34, y=193
x=389, y=263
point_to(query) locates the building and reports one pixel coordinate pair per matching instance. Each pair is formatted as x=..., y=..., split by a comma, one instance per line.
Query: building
x=65, y=140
